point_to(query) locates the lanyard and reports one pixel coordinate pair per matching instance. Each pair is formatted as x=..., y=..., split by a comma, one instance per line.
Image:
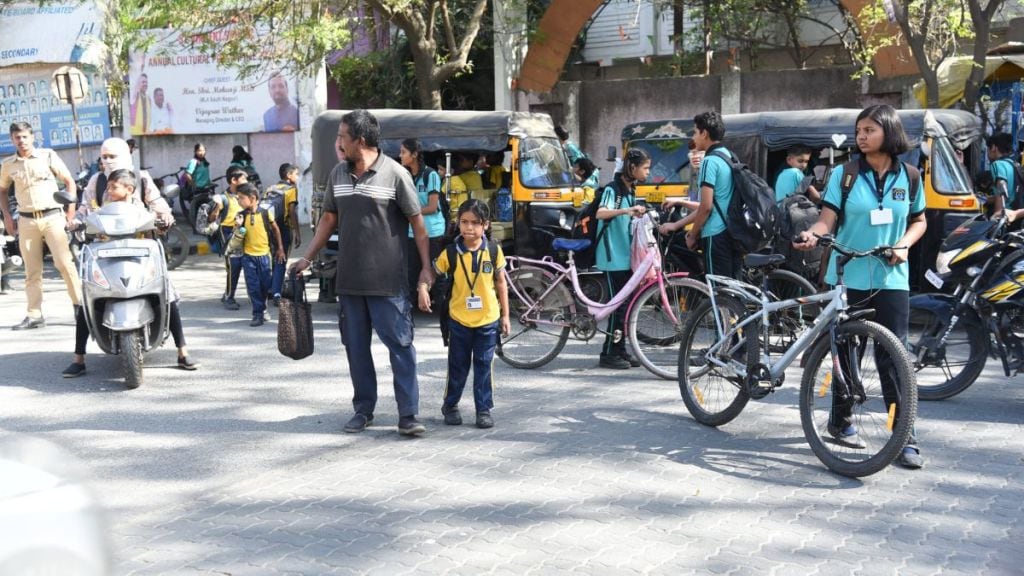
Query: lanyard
x=476, y=265
x=873, y=185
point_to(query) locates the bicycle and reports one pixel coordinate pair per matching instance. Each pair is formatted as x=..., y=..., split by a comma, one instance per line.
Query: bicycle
x=176, y=245
x=544, y=309
x=718, y=378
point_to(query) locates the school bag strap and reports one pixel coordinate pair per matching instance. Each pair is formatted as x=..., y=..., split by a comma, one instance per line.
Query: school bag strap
x=730, y=160
x=851, y=170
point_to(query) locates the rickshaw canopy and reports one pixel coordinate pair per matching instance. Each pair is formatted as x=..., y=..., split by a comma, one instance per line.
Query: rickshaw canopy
x=953, y=72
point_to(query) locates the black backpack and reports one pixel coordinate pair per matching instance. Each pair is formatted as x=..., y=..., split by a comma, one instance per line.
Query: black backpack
x=587, y=225
x=752, y=217
x=453, y=265
x=273, y=198
x=799, y=213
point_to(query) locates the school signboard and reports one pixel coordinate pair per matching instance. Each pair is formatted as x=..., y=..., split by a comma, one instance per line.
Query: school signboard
x=175, y=89
x=25, y=96
x=53, y=33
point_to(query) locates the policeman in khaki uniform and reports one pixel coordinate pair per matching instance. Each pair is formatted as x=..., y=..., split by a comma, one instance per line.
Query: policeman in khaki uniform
x=34, y=173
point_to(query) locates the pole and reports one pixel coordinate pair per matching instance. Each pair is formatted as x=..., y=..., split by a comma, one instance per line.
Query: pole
x=74, y=116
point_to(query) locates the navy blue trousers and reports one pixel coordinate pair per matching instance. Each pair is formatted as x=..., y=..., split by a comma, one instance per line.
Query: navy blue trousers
x=257, y=281
x=391, y=318
x=279, y=267
x=471, y=347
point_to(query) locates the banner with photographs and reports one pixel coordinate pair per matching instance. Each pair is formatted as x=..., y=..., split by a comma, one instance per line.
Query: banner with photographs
x=51, y=33
x=25, y=97
x=177, y=90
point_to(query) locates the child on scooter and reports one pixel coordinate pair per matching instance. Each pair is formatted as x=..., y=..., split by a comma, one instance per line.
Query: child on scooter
x=121, y=188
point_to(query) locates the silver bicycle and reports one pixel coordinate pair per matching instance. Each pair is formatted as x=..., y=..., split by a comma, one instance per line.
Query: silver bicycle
x=858, y=394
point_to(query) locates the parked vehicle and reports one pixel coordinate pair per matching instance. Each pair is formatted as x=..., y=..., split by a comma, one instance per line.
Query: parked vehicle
x=124, y=284
x=762, y=140
x=981, y=268
x=545, y=196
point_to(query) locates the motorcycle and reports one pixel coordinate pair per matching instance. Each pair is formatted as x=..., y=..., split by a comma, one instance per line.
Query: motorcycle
x=125, y=288
x=981, y=313
x=200, y=206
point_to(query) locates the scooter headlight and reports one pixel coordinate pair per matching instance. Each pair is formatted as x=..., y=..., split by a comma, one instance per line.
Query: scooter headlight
x=943, y=260
x=97, y=277
x=149, y=272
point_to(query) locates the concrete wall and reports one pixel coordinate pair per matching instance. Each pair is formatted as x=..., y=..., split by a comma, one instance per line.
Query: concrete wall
x=606, y=106
x=799, y=89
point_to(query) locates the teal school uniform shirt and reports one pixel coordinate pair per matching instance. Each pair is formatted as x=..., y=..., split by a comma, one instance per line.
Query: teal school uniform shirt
x=613, y=247
x=1002, y=169
x=857, y=232
x=716, y=172
x=787, y=183
x=426, y=182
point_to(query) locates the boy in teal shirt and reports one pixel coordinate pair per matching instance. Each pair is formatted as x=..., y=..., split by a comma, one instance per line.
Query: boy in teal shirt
x=788, y=181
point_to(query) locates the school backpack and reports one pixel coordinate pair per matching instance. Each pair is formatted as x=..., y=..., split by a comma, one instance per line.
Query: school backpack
x=587, y=228
x=799, y=213
x=273, y=199
x=453, y=265
x=752, y=217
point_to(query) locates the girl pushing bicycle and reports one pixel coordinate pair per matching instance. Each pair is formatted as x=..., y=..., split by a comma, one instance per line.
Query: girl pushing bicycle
x=870, y=202
x=618, y=204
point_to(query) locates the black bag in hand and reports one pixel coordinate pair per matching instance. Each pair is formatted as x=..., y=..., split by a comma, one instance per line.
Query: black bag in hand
x=295, y=322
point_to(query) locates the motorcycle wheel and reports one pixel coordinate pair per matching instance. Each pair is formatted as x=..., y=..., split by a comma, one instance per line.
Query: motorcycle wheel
x=131, y=358
x=960, y=361
x=176, y=246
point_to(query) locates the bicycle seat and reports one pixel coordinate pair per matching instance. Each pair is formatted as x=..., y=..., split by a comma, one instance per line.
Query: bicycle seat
x=570, y=245
x=763, y=260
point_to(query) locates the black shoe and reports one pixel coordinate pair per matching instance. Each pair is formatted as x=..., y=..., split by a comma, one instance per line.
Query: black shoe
x=74, y=370
x=452, y=417
x=614, y=362
x=633, y=362
x=847, y=437
x=911, y=457
x=410, y=426
x=30, y=323
x=186, y=363
x=256, y=321
x=230, y=304
x=484, y=420
x=358, y=423
x=277, y=300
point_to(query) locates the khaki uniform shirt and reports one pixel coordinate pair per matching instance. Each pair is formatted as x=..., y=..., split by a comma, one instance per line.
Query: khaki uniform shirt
x=34, y=179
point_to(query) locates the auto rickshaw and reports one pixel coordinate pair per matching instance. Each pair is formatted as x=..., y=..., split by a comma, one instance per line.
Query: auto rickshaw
x=762, y=140
x=545, y=194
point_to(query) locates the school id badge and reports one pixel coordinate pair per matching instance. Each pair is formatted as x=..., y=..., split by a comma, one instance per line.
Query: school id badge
x=881, y=217
x=474, y=303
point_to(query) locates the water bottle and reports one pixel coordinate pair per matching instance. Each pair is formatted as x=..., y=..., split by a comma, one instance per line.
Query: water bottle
x=504, y=205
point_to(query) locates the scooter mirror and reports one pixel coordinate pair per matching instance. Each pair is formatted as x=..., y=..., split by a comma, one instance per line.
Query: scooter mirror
x=171, y=191
x=64, y=198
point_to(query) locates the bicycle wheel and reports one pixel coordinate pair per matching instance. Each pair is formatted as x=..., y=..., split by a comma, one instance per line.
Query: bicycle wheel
x=784, y=326
x=540, y=328
x=713, y=397
x=652, y=334
x=176, y=246
x=961, y=360
x=881, y=413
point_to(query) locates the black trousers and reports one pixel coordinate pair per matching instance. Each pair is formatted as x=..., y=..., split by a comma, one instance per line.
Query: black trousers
x=721, y=257
x=892, y=310
x=615, y=280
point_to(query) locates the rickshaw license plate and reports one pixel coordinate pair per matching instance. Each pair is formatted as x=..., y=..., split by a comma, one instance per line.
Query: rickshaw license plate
x=655, y=196
x=934, y=278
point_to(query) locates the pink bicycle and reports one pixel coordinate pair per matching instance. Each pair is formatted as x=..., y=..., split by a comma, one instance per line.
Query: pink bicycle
x=546, y=303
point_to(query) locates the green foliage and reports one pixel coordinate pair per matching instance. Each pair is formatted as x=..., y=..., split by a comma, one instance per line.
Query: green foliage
x=380, y=79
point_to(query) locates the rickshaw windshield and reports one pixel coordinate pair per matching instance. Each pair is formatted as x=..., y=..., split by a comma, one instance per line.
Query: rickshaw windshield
x=949, y=175
x=670, y=160
x=543, y=164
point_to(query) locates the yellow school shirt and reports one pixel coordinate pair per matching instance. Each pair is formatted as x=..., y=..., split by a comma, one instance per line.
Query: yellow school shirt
x=462, y=186
x=291, y=198
x=257, y=242
x=230, y=211
x=483, y=286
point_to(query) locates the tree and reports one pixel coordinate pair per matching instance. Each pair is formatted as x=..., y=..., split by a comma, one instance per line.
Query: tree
x=982, y=17
x=257, y=37
x=933, y=29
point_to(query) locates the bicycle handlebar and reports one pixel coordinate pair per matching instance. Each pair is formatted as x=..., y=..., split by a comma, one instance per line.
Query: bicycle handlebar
x=827, y=240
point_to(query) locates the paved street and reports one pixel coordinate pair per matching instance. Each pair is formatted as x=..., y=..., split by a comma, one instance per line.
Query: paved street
x=242, y=468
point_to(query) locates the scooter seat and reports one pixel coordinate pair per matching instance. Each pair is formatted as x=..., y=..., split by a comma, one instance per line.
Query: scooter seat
x=570, y=245
x=762, y=260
